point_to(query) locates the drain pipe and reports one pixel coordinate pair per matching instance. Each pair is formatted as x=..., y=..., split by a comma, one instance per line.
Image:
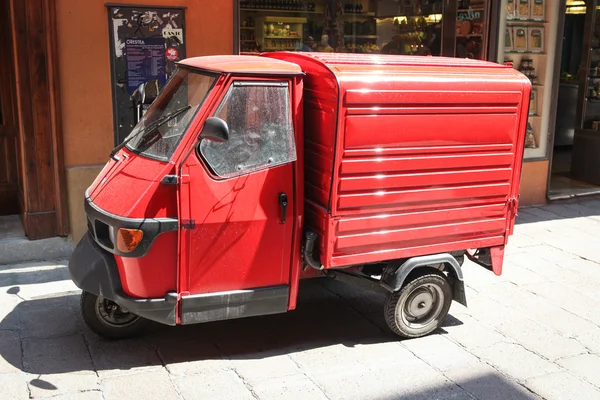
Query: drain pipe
x=309, y=247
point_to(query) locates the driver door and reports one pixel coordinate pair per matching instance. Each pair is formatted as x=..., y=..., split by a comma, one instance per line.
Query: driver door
x=237, y=208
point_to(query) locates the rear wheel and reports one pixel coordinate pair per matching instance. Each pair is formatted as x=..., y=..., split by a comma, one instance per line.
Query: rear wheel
x=106, y=318
x=420, y=306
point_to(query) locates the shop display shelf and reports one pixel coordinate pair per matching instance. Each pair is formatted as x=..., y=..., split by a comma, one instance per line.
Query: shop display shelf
x=471, y=9
x=525, y=52
x=268, y=10
x=362, y=36
x=516, y=21
x=283, y=37
x=363, y=14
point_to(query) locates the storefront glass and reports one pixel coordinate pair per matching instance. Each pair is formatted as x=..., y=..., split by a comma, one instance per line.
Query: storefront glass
x=529, y=43
x=366, y=26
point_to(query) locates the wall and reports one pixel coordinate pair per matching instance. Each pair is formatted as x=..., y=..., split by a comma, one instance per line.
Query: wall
x=85, y=80
x=534, y=177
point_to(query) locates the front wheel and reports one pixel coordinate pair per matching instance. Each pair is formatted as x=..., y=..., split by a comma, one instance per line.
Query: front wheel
x=106, y=318
x=420, y=306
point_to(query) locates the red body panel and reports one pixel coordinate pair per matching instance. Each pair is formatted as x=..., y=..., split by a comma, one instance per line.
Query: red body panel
x=239, y=241
x=153, y=275
x=424, y=156
x=131, y=188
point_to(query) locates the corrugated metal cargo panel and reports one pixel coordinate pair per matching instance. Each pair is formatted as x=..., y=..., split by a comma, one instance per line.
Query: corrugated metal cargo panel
x=427, y=155
x=425, y=164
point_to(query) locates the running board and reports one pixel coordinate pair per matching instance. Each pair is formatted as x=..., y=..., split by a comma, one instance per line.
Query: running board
x=234, y=304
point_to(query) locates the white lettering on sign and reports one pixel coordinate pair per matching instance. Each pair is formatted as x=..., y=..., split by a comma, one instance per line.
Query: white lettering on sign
x=134, y=41
x=177, y=33
x=469, y=15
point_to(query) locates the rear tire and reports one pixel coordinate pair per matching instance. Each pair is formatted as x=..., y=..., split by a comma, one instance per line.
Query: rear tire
x=109, y=320
x=420, y=306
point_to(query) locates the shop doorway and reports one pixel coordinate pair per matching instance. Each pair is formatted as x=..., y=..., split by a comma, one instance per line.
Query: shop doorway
x=31, y=166
x=574, y=171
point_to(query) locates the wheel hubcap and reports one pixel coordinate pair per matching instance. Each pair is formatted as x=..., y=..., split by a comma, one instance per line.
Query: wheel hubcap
x=110, y=313
x=422, y=306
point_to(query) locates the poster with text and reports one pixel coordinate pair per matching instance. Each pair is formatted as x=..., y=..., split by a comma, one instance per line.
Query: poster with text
x=145, y=45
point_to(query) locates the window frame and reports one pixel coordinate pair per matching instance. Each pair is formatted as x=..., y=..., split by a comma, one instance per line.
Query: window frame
x=262, y=82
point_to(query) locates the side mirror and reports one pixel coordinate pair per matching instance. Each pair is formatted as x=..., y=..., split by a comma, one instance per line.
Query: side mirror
x=215, y=130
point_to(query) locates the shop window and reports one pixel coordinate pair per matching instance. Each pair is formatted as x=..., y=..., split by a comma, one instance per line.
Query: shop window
x=414, y=27
x=261, y=133
x=528, y=42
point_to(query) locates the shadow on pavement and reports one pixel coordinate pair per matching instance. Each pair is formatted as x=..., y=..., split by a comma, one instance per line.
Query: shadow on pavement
x=46, y=335
x=13, y=275
x=565, y=209
x=483, y=386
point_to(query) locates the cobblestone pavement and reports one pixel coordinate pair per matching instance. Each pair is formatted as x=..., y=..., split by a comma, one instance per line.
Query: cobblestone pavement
x=532, y=333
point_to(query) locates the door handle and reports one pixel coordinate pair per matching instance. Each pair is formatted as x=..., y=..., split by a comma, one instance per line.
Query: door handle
x=283, y=203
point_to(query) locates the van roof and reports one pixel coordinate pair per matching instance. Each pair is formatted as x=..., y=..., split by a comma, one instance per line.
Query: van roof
x=341, y=60
x=338, y=63
x=248, y=65
x=357, y=65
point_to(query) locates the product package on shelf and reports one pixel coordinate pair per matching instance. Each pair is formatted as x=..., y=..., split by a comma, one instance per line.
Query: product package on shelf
x=527, y=69
x=535, y=39
x=530, y=138
x=537, y=10
x=520, y=38
x=508, y=40
x=523, y=9
x=533, y=102
x=511, y=10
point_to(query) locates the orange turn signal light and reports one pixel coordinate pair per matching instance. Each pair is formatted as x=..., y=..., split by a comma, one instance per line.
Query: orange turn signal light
x=128, y=239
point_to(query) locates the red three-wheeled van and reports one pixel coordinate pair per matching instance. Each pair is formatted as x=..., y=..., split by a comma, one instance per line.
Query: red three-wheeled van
x=249, y=173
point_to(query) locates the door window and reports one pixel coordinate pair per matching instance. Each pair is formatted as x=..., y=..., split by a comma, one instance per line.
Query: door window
x=261, y=132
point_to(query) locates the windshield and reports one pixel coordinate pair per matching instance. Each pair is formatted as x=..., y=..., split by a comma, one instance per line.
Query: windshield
x=170, y=115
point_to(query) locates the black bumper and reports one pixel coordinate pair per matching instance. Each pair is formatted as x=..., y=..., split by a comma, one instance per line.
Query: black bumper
x=94, y=270
x=103, y=226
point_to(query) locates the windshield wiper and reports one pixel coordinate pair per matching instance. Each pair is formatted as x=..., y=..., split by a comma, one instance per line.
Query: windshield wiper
x=153, y=126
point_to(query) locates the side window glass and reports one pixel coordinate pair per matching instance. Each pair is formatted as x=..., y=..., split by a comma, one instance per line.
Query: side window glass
x=261, y=132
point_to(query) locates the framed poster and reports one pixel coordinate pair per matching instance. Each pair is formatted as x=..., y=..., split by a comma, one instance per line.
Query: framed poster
x=145, y=45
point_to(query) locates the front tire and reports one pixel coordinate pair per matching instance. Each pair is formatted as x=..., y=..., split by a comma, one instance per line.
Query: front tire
x=109, y=320
x=420, y=306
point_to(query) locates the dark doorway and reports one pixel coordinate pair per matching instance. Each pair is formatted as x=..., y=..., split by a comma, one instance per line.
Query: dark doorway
x=9, y=187
x=563, y=183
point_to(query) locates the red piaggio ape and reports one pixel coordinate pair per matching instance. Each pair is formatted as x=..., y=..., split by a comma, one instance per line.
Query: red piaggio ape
x=249, y=173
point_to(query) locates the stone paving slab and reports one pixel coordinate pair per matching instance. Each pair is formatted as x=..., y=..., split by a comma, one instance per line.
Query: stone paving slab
x=291, y=387
x=223, y=385
x=563, y=386
x=141, y=386
x=586, y=366
x=13, y=386
x=532, y=333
